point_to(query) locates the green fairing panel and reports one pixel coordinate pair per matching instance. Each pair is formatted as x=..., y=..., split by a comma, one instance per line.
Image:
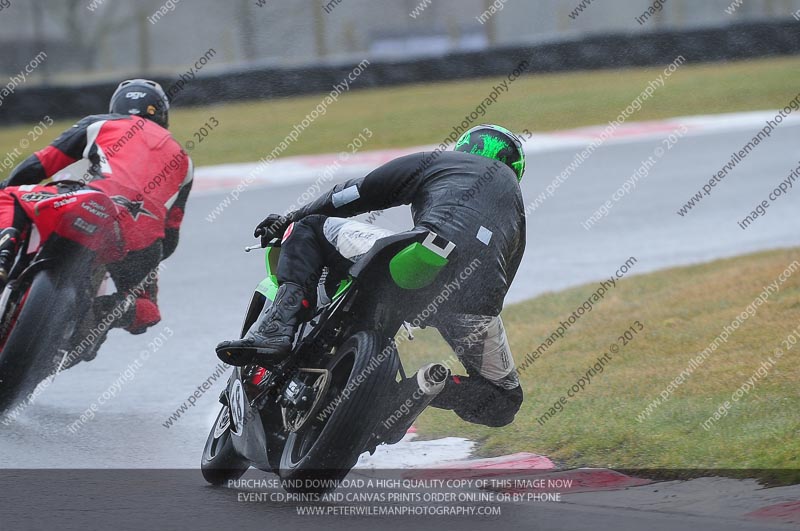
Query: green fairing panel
x=269, y=286
x=343, y=286
x=416, y=266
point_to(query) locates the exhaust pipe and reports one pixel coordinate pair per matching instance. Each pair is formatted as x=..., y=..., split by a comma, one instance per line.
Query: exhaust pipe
x=431, y=379
x=414, y=395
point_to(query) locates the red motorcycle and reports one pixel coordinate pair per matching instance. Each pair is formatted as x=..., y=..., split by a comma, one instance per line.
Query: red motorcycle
x=47, y=309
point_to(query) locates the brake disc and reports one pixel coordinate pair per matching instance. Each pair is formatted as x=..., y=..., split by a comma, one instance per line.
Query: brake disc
x=294, y=422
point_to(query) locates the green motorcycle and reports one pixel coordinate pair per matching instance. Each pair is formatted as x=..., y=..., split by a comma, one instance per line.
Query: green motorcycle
x=343, y=390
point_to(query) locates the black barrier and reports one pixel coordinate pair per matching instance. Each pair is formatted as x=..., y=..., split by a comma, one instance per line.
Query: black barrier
x=737, y=41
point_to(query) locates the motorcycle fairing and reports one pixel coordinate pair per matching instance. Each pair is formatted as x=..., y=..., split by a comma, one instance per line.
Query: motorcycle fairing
x=86, y=217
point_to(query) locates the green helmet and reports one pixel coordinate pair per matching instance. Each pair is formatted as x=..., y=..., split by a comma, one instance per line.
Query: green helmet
x=494, y=142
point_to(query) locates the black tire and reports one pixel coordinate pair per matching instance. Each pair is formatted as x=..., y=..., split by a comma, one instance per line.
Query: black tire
x=45, y=323
x=322, y=453
x=220, y=463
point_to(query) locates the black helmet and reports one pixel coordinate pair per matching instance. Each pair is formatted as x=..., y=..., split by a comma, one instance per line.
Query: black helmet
x=494, y=142
x=141, y=97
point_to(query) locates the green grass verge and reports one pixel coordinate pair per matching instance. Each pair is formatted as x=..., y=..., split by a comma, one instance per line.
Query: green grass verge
x=683, y=310
x=421, y=114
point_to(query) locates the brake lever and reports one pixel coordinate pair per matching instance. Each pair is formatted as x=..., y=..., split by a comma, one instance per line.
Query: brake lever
x=275, y=242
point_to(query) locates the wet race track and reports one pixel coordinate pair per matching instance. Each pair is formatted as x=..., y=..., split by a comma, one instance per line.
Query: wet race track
x=206, y=285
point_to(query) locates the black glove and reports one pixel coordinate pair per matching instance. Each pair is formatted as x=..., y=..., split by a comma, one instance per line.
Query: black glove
x=272, y=227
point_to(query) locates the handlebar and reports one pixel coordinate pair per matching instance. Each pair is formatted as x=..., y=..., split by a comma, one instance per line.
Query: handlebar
x=275, y=242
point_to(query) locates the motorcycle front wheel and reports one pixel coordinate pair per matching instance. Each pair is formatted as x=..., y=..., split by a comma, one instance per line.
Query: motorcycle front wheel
x=220, y=463
x=41, y=320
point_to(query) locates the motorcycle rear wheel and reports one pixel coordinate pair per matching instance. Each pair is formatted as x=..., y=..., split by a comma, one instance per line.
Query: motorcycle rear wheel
x=321, y=453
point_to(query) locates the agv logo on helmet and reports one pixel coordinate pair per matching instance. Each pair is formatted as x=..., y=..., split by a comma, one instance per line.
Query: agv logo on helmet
x=141, y=97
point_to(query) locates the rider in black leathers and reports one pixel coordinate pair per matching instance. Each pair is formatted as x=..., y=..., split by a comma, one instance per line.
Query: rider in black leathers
x=471, y=197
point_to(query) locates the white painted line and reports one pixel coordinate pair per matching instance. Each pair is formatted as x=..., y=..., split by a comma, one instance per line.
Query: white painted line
x=416, y=454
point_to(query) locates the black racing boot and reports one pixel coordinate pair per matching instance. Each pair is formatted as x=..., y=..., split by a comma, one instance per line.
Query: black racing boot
x=454, y=394
x=9, y=239
x=476, y=400
x=269, y=340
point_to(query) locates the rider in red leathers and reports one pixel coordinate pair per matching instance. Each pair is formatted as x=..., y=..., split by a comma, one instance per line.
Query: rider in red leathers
x=136, y=162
